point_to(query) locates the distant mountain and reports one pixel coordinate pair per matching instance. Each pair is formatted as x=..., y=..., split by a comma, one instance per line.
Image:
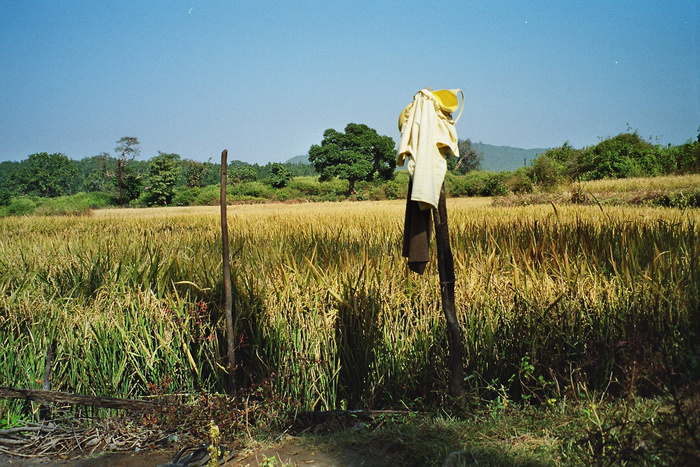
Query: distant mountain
x=303, y=159
x=501, y=158
x=496, y=158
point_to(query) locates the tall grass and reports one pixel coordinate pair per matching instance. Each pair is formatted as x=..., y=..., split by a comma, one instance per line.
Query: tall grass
x=131, y=301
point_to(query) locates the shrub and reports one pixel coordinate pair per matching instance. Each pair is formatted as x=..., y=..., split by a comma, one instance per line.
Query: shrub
x=21, y=206
x=393, y=190
x=305, y=185
x=185, y=196
x=520, y=183
x=250, y=189
x=208, y=196
x=494, y=186
x=546, y=172
x=466, y=185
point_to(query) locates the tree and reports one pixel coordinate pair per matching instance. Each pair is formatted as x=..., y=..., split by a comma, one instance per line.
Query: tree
x=8, y=177
x=97, y=172
x=279, y=175
x=194, y=172
x=45, y=174
x=242, y=172
x=469, y=159
x=358, y=154
x=162, y=176
x=127, y=151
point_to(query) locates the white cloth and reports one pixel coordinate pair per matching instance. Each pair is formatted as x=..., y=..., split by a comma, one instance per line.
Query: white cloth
x=427, y=134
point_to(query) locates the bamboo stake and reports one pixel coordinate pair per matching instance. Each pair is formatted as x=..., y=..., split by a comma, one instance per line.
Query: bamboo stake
x=447, y=291
x=228, y=300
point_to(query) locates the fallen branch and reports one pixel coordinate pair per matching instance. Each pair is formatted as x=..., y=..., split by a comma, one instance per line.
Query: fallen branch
x=74, y=399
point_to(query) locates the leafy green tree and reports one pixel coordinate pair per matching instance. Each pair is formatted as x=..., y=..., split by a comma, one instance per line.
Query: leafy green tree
x=8, y=178
x=162, y=176
x=469, y=159
x=194, y=173
x=48, y=175
x=5, y=197
x=127, y=150
x=98, y=172
x=358, y=154
x=242, y=172
x=280, y=176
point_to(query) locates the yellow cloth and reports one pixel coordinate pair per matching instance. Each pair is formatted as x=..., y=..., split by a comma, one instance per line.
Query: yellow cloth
x=427, y=134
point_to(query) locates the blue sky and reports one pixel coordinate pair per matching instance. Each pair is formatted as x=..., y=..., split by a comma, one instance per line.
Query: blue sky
x=264, y=79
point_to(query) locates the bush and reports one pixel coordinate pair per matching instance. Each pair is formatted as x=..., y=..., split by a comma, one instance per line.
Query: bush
x=250, y=190
x=285, y=194
x=494, y=186
x=21, y=206
x=185, y=196
x=546, y=172
x=520, y=183
x=208, y=196
x=305, y=185
x=624, y=155
x=471, y=184
x=394, y=190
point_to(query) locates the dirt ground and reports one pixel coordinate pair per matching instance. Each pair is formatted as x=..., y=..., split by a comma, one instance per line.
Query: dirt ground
x=289, y=452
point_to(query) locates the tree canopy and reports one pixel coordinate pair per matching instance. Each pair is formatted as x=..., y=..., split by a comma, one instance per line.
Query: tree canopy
x=45, y=174
x=358, y=154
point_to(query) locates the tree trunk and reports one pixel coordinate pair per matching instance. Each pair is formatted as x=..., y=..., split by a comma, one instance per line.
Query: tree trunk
x=119, y=166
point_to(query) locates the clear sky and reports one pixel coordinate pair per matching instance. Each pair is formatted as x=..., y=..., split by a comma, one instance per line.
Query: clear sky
x=264, y=79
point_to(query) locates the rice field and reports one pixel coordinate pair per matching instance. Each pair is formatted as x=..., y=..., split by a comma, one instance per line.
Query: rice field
x=553, y=300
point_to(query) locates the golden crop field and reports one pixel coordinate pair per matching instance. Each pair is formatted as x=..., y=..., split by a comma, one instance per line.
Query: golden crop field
x=550, y=298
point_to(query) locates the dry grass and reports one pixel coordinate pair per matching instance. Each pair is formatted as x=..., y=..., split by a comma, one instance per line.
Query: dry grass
x=131, y=300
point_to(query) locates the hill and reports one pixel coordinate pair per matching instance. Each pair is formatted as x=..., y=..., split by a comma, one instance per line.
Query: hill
x=501, y=158
x=302, y=159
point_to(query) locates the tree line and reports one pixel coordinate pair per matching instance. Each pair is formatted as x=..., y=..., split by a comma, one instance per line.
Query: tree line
x=151, y=182
x=357, y=157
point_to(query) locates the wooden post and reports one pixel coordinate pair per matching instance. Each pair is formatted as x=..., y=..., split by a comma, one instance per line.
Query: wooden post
x=228, y=300
x=44, y=411
x=447, y=291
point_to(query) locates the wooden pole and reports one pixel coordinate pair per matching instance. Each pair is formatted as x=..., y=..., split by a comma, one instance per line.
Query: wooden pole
x=228, y=299
x=447, y=292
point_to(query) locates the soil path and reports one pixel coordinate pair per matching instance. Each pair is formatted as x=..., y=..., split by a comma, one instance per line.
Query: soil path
x=286, y=453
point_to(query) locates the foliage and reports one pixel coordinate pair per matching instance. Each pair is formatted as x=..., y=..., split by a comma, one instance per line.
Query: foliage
x=98, y=172
x=280, y=176
x=5, y=197
x=194, y=173
x=21, y=206
x=47, y=175
x=358, y=154
x=469, y=159
x=8, y=179
x=242, y=172
x=128, y=181
x=546, y=172
x=477, y=183
x=163, y=175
